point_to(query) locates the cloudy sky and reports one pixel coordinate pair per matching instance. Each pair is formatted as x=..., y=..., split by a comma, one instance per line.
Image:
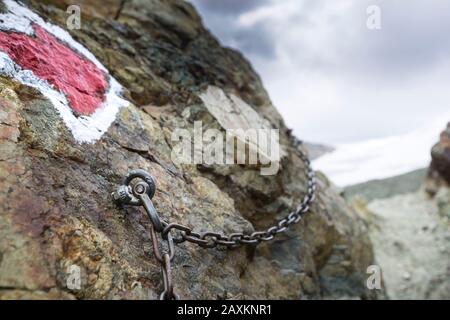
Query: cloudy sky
x=334, y=80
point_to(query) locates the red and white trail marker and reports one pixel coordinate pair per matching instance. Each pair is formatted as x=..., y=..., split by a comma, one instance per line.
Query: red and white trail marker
x=46, y=57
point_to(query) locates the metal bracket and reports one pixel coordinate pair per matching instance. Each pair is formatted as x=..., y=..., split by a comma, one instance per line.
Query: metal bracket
x=139, y=194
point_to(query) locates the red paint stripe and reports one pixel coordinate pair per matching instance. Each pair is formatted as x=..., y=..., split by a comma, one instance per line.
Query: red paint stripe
x=79, y=79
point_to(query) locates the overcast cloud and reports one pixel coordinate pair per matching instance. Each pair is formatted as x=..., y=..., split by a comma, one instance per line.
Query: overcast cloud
x=334, y=80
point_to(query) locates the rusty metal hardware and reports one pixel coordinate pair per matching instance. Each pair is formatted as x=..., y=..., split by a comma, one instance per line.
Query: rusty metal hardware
x=141, y=193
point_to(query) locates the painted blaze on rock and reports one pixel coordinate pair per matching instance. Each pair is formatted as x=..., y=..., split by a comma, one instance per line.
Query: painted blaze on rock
x=79, y=79
x=44, y=56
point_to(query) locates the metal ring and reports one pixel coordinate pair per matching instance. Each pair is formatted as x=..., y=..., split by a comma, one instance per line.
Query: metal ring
x=184, y=229
x=144, y=175
x=170, y=250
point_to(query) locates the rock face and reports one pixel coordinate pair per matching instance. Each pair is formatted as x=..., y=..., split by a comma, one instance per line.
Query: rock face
x=316, y=150
x=56, y=212
x=410, y=236
x=440, y=164
x=408, y=219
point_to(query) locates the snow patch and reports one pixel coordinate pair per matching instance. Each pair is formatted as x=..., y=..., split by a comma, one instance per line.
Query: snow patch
x=381, y=158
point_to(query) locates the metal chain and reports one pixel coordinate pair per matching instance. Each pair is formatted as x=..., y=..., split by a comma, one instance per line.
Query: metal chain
x=164, y=258
x=213, y=239
x=141, y=193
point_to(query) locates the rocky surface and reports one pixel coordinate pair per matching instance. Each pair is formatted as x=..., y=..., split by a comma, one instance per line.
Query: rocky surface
x=411, y=235
x=440, y=154
x=408, y=219
x=55, y=205
x=316, y=150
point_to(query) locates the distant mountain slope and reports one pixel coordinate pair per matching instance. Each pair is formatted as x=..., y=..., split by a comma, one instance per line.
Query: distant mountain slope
x=385, y=188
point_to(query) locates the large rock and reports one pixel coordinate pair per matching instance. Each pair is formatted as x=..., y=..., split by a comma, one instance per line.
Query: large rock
x=408, y=219
x=55, y=205
x=440, y=164
x=410, y=235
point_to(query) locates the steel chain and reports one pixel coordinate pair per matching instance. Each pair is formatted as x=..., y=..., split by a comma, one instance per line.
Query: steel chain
x=213, y=239
x=164, y=258
x=141, y=194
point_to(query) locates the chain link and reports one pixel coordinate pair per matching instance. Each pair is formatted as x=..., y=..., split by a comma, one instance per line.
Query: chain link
x=164, y=258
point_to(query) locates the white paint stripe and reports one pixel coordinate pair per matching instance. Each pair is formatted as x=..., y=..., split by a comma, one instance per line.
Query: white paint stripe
x=20, y=19
x=85, y=129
